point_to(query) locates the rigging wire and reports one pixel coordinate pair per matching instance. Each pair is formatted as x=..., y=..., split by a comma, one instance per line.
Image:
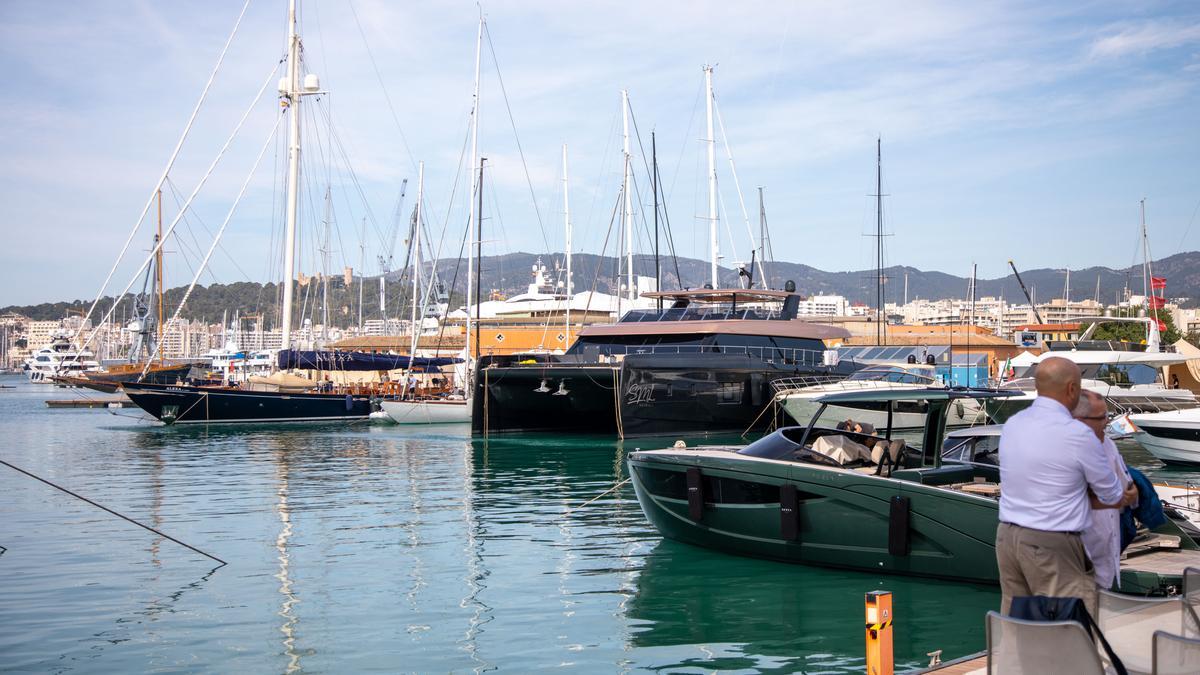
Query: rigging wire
x=216, y=239
x=204, y=179
x=517, y=137
x=170, y=163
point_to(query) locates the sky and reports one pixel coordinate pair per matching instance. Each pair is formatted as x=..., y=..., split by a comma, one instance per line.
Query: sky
x=1022, y=130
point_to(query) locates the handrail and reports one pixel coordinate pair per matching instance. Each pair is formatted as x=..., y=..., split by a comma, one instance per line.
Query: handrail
x=607, y=352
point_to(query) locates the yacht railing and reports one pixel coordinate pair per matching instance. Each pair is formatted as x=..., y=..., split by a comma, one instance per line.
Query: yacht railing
x=788, y=385
x=700, y=314
x=1127, y=404
x=772, y=355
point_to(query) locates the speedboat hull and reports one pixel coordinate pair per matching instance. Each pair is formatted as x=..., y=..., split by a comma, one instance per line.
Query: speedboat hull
x=428, y=411
x=181, y=404
x=843, y=519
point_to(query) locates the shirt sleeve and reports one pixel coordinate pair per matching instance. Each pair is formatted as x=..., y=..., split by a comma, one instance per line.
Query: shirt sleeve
x=1100, y=474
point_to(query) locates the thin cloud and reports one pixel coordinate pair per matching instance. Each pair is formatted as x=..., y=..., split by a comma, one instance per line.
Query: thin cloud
x=1146, y=38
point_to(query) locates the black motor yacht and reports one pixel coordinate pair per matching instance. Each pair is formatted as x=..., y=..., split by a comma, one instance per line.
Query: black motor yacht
x=702, y=364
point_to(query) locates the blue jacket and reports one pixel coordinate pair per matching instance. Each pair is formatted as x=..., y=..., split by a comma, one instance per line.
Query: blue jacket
x=1148, y=510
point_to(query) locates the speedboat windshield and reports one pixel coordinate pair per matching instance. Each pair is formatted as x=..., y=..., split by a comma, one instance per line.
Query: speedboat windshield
x=895, y=374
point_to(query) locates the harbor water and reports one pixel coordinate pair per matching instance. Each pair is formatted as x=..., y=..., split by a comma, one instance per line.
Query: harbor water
x=360, y=547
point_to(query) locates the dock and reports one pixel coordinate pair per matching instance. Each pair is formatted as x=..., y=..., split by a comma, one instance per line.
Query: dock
x=974, y=663
x=97, y=402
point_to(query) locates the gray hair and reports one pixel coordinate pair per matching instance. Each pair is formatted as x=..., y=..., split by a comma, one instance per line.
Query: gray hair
x=1087, y=399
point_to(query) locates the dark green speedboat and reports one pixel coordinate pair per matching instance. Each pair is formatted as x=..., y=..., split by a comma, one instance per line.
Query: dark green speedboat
x=854, y=499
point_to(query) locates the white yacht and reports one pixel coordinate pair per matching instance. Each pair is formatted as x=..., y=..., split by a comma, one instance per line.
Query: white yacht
x=237, y=365
x=1172, y=436
x=1128, y=375
x=798, y=396
x=59, y=358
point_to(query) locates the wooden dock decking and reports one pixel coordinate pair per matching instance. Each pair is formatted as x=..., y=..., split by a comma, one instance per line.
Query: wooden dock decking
x=96, y=402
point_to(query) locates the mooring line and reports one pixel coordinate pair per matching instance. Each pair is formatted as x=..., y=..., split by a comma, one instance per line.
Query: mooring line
x=101, y=506
x=599, y=496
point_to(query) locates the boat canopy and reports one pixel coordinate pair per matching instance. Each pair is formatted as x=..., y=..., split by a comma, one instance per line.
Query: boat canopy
x=332, y=360
x=885, y=395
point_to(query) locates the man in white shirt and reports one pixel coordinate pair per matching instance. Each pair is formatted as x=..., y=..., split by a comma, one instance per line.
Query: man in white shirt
x=1048, y=462
x=1102, y=538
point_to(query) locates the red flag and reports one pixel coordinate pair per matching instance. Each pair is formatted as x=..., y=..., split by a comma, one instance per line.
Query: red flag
x=1156, y=302
x=1158, y=282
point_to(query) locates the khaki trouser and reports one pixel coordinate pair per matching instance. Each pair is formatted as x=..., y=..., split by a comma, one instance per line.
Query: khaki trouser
x=1037, y=562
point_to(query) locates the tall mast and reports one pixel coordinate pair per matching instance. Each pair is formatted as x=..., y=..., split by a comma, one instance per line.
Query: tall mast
x=325, y=271
x=713, y=242
x=416, y=265
x=1147, y=271
x=291, y=98
x=473, y=228
x=478, y=254
x=762, y=238
x=654, y=190
x=626, y=190
x=567, y=225
x=879, y=315
x=158, y=281
x=362, y=271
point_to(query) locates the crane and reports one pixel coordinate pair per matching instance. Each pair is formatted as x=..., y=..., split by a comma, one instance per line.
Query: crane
x=385, y=258
x=1025, y=291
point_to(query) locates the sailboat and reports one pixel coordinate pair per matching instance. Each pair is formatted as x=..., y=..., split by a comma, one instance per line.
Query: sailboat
x=179, y=403
x=146, y=327
x=412, y=407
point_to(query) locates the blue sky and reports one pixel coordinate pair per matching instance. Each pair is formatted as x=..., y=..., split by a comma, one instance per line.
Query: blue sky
x=1010, y=130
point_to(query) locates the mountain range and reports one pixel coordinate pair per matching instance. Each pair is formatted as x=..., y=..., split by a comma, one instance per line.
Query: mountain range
x=510, y=274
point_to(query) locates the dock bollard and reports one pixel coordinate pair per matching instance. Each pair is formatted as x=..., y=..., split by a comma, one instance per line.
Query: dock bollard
x=879, y=633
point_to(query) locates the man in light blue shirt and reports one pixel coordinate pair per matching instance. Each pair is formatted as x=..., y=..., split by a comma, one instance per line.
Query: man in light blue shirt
x=1048, y=462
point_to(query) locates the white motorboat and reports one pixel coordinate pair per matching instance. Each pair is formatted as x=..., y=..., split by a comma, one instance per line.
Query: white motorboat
x=59, y=359
x=428, y=411
x=1172, y=436
x=798, y=397
x=1128, y=375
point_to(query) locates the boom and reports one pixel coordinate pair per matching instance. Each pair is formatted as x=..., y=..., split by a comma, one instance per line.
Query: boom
x=1024, y=290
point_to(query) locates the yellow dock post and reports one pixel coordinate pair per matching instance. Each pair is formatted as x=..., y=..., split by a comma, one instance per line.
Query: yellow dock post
x=879, y=633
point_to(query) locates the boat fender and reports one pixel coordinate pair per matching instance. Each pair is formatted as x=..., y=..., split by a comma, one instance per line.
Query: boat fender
x=695, y=493
x=789, y=513
x=898, y=517
x=349, y=402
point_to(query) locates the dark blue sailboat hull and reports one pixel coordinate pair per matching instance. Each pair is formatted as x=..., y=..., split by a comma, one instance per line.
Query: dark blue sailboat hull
x=175, y=404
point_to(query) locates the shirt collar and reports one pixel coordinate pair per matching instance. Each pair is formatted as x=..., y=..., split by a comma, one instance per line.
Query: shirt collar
x=1050, y=405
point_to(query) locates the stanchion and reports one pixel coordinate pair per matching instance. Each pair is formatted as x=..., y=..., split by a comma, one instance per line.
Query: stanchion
x=879, y=633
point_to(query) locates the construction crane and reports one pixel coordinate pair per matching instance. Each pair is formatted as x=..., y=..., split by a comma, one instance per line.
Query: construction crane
x=1024, y=290
x=389, y=248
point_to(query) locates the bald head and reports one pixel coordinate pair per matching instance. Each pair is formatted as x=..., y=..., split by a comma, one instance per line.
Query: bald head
x=1058, y=379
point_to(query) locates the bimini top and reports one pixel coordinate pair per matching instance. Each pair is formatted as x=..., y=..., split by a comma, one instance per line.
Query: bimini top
x=939, y=394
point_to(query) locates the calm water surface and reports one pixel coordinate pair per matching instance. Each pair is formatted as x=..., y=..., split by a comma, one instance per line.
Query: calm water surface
x=381, y=548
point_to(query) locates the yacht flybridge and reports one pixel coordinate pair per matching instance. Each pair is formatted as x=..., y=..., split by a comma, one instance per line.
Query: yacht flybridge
x=1128, y=375
x=704, y=363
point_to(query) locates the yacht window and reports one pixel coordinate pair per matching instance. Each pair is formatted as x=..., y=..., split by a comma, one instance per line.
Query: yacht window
x=729, y=393
x=1122, y=374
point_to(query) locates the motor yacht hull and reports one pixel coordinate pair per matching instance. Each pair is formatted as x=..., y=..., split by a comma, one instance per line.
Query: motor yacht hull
x=644, y=395
x=428, y=412
x=1171, y=436
x=175, y=404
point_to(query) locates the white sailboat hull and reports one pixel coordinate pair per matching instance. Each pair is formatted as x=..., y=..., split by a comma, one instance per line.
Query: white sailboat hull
x=428, y=412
